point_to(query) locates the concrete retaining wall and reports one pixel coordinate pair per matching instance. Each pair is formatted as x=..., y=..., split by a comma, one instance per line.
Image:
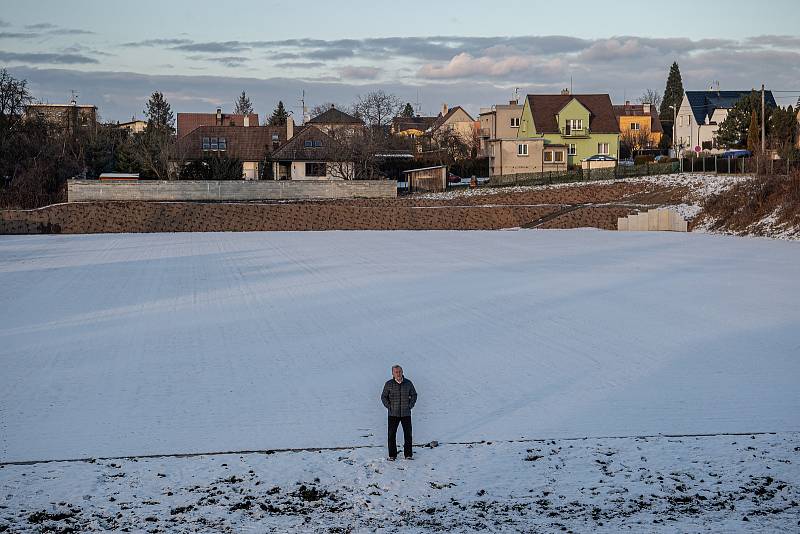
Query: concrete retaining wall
x=653, y=220
x=238, y=190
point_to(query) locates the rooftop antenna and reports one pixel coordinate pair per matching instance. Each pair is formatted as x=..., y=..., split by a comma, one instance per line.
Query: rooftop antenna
x=515, y=96
x=418, y=105
x=74, y=100
x=303, y=105
x=570, y=84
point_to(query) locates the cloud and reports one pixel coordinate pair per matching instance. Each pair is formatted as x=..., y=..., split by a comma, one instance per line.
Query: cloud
x=46, y=58
x=360, y=73
x=157, y=42
x=213, y=47
x=777, y=41
x=465, y=66
x=4, y=24
x=40, y=26
x=228, y=61
x=18, y=35
x=300, y=64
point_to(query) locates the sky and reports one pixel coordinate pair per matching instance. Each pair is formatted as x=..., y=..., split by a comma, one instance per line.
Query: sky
x=202, y=54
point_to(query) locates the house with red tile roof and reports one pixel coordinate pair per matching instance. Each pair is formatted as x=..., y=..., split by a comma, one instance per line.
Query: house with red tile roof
x=189, y=121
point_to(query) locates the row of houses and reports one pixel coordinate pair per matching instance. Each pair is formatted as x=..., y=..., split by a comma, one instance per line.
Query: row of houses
x=544, y=132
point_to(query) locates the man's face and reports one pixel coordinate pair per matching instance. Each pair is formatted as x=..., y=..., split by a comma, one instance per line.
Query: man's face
x=397, y=373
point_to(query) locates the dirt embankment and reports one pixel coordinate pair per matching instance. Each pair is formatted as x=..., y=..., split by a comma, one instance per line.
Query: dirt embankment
x=764, y=206
x=589, y=205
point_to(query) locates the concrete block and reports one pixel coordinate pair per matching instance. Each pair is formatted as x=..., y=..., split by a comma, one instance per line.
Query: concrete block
x=622, y=224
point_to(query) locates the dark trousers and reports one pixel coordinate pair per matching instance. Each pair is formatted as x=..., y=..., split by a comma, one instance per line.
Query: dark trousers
x=393, y=422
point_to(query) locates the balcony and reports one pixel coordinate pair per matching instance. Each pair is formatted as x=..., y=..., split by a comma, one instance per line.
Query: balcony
x=575, y=133
x=485, y=133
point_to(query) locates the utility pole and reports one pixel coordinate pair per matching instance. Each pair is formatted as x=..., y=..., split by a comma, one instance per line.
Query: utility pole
x=763, y=123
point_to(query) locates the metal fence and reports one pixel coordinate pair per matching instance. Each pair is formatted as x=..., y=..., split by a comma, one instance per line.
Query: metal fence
x=583, y=175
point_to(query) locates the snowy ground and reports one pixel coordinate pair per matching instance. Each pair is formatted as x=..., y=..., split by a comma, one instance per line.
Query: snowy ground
x=122, y=345
x=686, y=484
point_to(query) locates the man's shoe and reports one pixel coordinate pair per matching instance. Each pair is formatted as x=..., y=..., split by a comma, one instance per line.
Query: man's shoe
x=392, y=458
x=409, y=457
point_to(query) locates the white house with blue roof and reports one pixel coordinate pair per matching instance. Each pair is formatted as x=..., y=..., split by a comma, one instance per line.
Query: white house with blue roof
x=701, y=113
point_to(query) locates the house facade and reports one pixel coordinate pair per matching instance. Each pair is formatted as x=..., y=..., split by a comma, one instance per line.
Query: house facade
x=70, y=118
x=501, y=121
x=133, y=126
x=639, y=124
x=584, y=123
x=514, y=155
x=311, y=154
x=454, y=120
x=701, y=113
x=336, y=121
x=252, y=145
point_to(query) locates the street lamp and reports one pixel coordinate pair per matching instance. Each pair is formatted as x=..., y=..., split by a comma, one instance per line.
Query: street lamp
x=674, y=129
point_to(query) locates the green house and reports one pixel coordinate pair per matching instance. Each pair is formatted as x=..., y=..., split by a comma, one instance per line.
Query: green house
x=585, y=124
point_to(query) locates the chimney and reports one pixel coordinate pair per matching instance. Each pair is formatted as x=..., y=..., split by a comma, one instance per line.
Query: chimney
x=445, y=109
x=627, y=102
x=219, y=117
x=646, y=108
x=289, y=127
x=246, y=120
x=565, y=91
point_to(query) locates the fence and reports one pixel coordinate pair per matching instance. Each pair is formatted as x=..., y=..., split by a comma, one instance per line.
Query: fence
x=580, y=175
x=750, y=165
x=233, y=190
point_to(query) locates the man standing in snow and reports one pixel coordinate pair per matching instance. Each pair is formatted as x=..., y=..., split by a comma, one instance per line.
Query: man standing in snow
x=399, y=397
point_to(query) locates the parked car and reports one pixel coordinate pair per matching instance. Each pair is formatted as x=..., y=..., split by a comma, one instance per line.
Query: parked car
x=453, y=179
x=600, y=157
x=661, y=158
x=626, y=162
x=733, y=154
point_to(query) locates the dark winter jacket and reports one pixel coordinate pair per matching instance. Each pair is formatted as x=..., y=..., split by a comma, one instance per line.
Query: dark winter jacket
x=400, y=398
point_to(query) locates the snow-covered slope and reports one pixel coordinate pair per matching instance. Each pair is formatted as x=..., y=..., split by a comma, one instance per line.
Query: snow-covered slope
x=135, y=344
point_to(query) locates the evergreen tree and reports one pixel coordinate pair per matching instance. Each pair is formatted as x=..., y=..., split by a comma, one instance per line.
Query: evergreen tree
x=783, y=130
x=243, y=105
x=279, y=116
x=753, y=137
x=734, y=131
x=408, y=111
x=159, y=114
x=673, y=95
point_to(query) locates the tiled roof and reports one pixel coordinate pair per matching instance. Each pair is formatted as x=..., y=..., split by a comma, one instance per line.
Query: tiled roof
x=401, y=124
x=704, y=103
x=335, y=116
x=545, y=107
x=296, y=150
x=248, y=144
x=637, y=110
x=189, y=121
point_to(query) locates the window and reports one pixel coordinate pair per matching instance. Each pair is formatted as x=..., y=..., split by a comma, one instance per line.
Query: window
x=515, y=122
x=317, y=144
x=308, y=144
x=548, y=156
x=572, y=150
x=314, y=168
x=522, y=149
x=575, y=124
x=206, y=143
x=635, y=126
x=559, y=156
x=223, y=143
x=602, y=148
x=275, y=137
x=214, y=143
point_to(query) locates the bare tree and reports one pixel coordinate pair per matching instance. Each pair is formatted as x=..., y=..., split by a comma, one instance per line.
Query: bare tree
x=319, y=109
x=243, y=105
x=651, y=96
x=377, y=108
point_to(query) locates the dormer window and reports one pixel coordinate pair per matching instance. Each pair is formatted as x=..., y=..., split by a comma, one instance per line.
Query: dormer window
x=308, y=144
x=575, y=124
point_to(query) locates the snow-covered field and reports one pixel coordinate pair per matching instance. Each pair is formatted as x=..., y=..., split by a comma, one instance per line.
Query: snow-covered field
x=122, y=345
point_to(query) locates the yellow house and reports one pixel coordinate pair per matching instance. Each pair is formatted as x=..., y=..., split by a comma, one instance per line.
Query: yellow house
x=639, y=125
